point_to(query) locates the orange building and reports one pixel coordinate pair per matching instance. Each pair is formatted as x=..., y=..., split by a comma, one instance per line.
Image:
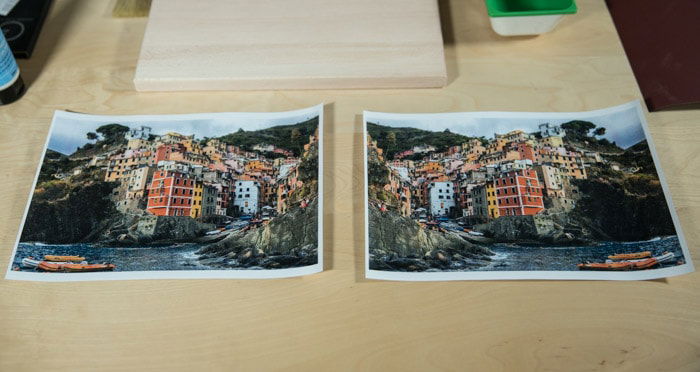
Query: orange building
x=119, y=165
x=170, y=194
x=525, y=150
x=571, y=162
x=163, y=152
x=519, y=193
x=431, y=167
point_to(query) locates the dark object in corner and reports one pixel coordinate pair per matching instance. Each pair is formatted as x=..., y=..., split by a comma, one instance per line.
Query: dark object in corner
x=661, y=39
x=22, y=26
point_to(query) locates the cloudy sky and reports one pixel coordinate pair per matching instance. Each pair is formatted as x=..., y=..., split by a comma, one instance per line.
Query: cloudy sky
x=622, y=123
x=69, y=129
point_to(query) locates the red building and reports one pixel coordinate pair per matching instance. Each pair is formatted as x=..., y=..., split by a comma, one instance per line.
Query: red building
x=524, y=150
x=170, y=194
x=519, y=193
x=163, y=151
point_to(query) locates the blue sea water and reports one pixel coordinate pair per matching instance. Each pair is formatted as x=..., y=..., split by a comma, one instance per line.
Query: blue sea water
x=511, y=257
x=177, y=257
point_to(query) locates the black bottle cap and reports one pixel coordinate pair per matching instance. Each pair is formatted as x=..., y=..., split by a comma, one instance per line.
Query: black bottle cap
x=13, y=92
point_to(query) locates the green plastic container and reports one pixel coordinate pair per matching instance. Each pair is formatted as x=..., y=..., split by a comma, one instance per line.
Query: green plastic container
x=527, y=17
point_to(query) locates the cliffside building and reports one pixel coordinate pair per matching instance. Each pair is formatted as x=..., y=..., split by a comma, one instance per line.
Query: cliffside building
x=441, y=198
x=247, y=197
x=170, y=194
x=519, y=193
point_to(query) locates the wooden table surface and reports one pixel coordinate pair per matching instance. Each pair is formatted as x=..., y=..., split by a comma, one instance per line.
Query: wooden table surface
x=337, y=320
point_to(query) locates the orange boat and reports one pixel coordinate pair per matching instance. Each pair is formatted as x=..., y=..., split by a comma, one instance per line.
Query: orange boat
x=53, y=258
x=630, y=256
x=619, y=266
x=613, y=266
x=84, y=268
x=51, y=266
x=645, y=264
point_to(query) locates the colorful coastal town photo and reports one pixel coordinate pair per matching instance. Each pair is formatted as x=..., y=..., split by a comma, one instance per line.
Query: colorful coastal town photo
x=192, y=196
x=517, y=195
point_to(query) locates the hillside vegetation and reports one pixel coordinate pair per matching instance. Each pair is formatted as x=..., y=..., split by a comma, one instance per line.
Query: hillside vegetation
x=395, y=140
x=289, y=137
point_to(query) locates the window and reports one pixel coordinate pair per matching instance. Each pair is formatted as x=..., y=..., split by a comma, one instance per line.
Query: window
x=247, y=196
x=439, y=196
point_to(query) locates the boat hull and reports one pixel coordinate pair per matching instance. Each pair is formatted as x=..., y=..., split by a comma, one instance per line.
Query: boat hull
x=54, y=258
x=630, y=256
x=81, y=268
x=51, y=266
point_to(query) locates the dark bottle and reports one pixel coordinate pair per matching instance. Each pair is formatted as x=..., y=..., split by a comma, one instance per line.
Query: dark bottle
x=11, y=84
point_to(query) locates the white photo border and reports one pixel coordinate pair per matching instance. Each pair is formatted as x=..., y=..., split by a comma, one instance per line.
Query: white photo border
x=685, y=268
x=317, y=110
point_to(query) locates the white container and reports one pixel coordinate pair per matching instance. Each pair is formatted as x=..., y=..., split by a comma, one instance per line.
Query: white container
x=525, y=25
x=527, y=17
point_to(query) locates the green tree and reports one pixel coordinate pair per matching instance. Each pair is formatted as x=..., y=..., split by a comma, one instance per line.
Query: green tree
x=92, y=136
x=577, y=130
x=390, y=144
x=599, y=131
x=112, y=132
x=296, y=140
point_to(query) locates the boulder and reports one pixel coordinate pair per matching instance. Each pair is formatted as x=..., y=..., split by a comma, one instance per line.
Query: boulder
x=398, y=243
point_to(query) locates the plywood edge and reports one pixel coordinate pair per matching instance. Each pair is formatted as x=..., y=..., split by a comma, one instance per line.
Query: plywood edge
x=159, y=85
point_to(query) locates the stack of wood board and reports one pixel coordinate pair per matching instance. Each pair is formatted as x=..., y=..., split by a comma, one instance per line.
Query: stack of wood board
x=291, y=44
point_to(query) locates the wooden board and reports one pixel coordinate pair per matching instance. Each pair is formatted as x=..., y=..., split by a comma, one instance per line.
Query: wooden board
x=291, y=44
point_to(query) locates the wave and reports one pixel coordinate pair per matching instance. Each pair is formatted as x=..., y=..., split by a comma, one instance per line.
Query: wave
x=654, y=239
x=498, y=256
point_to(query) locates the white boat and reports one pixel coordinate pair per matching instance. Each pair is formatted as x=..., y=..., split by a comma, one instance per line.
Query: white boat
x=30, y=263
x=665, y=257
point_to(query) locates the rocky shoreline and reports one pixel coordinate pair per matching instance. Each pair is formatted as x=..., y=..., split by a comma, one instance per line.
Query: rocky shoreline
x=290, y=240
x=398, y=243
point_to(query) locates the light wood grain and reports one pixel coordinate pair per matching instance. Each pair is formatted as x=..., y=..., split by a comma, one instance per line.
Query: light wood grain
x=336, y=320
x=291, y=44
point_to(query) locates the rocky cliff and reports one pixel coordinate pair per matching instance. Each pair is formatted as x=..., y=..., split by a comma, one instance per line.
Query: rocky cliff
x=65, y=213
x=629, y=209
x=399, y=243
x=146, y=229
x=290, y=240
x=538, y=229
x=610, y=208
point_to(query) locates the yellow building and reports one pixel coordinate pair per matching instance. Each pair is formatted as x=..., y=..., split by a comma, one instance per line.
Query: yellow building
x=192, y=146
x=553, y=141
x=500, y=157
x=257, y=166
x=137, y=143
x=118, y=165
x=174, y=137
x=570, y=161
x=496, y=145
x=196, y=208
x=514, y=136
x=491, y=200
x=432, y=167
x=374, y=149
